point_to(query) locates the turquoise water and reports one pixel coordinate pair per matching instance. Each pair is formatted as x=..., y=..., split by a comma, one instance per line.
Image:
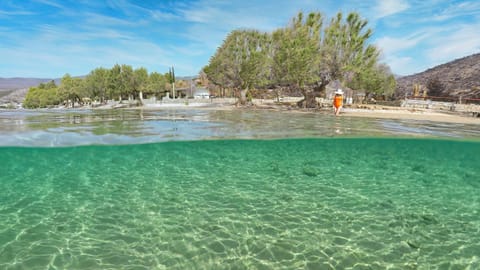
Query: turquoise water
x=322, y=203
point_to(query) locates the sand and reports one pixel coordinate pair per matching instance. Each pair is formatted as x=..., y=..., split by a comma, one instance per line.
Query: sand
x=373, y=111
x=411, y=114
x=389, y=112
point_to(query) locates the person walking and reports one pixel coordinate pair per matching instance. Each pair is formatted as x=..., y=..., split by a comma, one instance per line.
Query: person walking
x=338, y=101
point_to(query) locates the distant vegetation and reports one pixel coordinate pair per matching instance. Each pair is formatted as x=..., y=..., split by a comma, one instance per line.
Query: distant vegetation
x=118, y=83
x=305, y=56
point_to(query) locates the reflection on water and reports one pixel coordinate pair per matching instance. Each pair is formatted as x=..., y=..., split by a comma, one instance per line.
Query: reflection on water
x=80, y=127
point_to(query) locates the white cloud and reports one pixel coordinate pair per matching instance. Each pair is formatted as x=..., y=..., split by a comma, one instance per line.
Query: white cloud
x=162, y=16
x=4, y=13
x=389, y=7
x=391, y=45
x=466, y=8
x=50, y=3
x=95, y=19
x=401, y=65
x=461, y=41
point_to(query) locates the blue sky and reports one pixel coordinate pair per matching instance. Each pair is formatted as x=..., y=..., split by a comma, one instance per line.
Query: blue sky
x=48, y=38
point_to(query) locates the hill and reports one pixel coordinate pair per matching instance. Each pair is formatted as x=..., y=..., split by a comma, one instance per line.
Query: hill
x=460, y=77
x=20, y=83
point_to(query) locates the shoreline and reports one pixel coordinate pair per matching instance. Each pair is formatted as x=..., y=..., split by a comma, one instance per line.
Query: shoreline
x=411, y=114
x=370, y=111
x=389, y=112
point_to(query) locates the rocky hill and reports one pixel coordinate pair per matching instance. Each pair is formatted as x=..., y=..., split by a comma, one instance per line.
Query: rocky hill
x=13, y=90
x=12, y=96
x=460, y=77
x=19, y=83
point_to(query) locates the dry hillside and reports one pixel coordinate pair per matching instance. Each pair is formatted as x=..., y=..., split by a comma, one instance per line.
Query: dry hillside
x=457, y=78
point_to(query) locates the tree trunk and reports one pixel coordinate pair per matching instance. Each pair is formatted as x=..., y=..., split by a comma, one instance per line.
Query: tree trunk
x=278, y=93
x=243, y=97
x=309, y=100
x=140, y=97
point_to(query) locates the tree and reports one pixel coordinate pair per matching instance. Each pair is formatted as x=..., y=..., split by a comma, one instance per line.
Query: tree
x=114, y=82
x=376, y=80
x=96, y=84
x=214, y=73
x=49, y=85
x=296, y=53
x=435, y=87
x=71, y=90
x=42, y=96
x=171, y=79
x=344, y=52
x=304, y=55
x=240, y=61
x=100, y=84
x=156, y=84
x=140, y=81
x=127, y=86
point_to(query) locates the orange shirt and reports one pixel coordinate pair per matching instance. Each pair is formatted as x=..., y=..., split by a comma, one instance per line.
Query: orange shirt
x=338, y=101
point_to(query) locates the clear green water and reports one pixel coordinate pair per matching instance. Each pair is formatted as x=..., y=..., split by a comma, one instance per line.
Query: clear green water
x=243, y=204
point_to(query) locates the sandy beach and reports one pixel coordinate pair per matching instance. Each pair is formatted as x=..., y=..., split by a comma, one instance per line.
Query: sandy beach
x=412, y=114
x=389, y=112
x=372, y=111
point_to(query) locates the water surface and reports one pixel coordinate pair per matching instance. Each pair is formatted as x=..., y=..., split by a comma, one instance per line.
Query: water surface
x=85, y=127
x=205, y=189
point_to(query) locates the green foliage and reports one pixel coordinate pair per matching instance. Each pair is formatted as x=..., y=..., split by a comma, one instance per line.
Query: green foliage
x=43, y=96
x=114, y=82
x=305, y=55
x=344, y=51
x=296, y=54
x=121, y=81
x=171, y=75
x=127, y=82
x=156, y=84
x=140, y=79
x=71, y=89
x=240, y=63
x=50, y=85
x=96, y=84
x=377, y=80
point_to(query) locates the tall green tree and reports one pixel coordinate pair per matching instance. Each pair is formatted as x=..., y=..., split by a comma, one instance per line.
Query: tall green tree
x=156, y=84
x=215, y=73
x=71, y=90
x=296, y=55
x=305, y=56
x=140, y=82
x=114, y=83
x=127, y=81
x=344, y=51
x=171, y=79
x=96, y=84
x=242, y=61
x=376, y=80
